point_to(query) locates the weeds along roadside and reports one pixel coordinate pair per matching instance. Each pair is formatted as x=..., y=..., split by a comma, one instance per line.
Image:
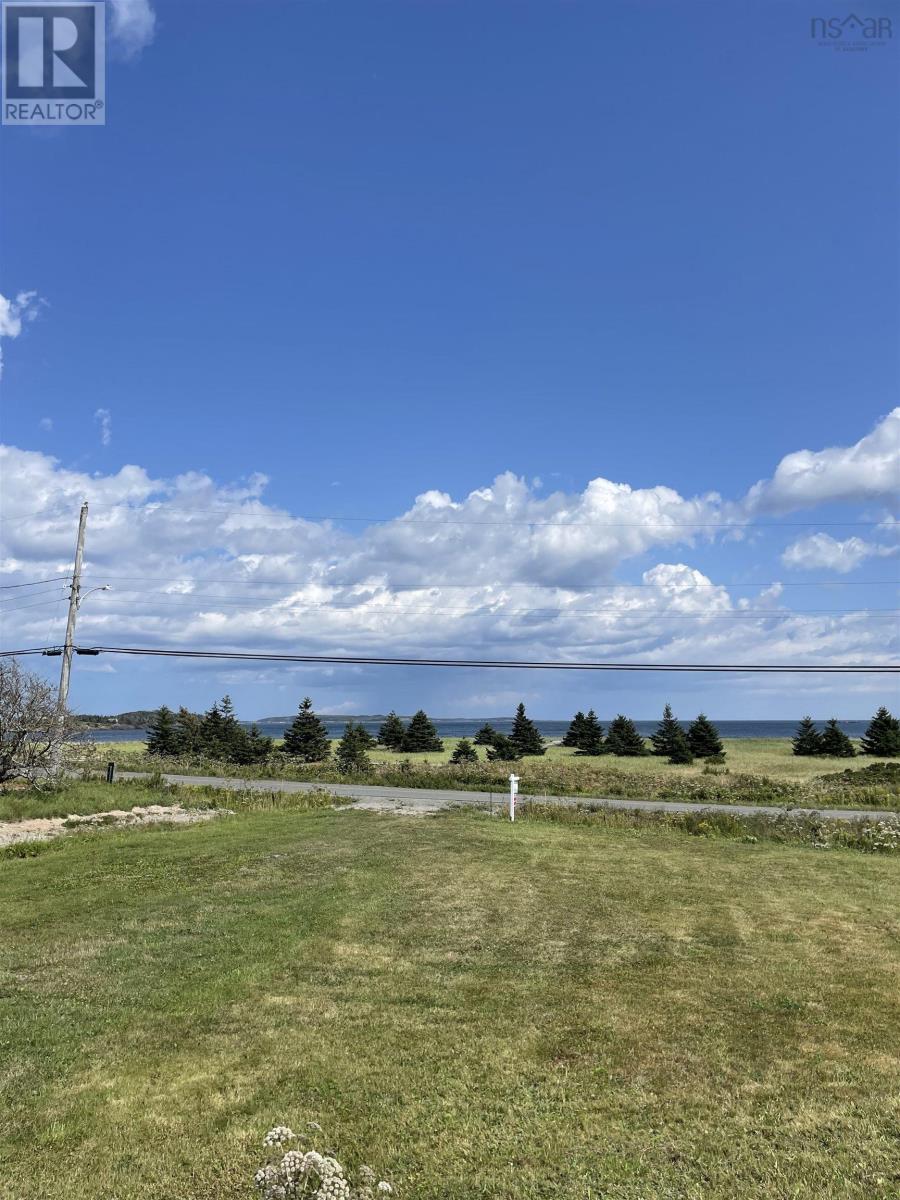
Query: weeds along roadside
x=876, y=785
x=796, y=827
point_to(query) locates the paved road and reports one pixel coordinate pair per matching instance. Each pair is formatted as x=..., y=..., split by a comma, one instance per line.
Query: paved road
x=421, y=801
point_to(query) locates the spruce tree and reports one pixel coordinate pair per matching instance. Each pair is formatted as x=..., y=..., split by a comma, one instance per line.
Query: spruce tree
x=250, y=747
x=703, y=739
x=187, y=732
x=211, y=733
x=525, y=734
x=575, y=731
x=665, y=737
x=351, y=751
x=306, y=737
x=162, y=733
x=591, y=736
x=503, y=749
x=464, y=752
x=807, y=741
x=391, y=732
x=420, y=735
x=233, y=734
x=835, y=743
x=485, y=735
x=882, y=738
x=679, y=750
x=624, y=740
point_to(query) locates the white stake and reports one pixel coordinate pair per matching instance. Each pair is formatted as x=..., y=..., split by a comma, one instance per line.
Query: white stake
x=513, y=792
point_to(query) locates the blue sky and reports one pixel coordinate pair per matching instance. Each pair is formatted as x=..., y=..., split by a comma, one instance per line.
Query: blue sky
x=374, y=251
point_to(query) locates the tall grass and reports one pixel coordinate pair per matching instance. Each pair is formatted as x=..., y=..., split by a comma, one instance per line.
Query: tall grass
x=569, y=777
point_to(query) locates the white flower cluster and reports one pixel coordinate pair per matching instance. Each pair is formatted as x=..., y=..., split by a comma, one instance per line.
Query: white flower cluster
x=310, y=1174
x=882, y=836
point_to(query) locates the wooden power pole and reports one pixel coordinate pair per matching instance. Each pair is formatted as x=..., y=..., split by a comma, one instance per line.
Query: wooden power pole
x=65, y=670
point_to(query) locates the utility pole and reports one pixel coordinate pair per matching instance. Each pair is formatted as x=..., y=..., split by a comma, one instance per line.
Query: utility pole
x=66, y=667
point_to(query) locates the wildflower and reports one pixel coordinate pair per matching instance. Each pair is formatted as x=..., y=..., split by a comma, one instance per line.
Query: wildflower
x=385, y=1187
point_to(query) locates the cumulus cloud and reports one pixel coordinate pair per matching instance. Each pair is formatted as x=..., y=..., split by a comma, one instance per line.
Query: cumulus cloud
x=14, y=313
x=866, y=471
x=103, y=417
x=132, y=26
x=822, y=551
x=499, y=573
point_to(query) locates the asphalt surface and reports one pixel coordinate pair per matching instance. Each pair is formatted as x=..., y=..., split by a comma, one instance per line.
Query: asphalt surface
x=422, y=801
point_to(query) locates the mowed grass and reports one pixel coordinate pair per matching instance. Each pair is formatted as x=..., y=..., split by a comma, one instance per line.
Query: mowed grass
x=478, y=1009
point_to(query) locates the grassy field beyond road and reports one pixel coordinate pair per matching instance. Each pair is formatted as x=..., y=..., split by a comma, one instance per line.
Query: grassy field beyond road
x=760, y=771
x=478, y=1009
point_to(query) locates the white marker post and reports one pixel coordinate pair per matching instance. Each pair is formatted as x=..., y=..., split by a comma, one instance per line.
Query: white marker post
x=513, y=792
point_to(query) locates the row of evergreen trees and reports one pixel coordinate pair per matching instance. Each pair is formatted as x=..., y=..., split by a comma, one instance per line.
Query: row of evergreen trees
x=215, y=734
x=882, y=738
x=670, y=740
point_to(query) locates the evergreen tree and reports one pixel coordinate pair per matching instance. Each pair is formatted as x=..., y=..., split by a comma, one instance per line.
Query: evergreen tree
x=503, y=749
x=233, y=734
x=421, y=735
x=835, y=743
x=464, y=752
x=367, y=740
x=485, y=735
x=703, y=739
x=624, y=740
x=391, y=732
x=679, y=749
x=591, y=736
x=306, y=737
x=525, y=734
x=807, y=740
x=665, y=738
x=250, y=746
x=575, y=731
x=162, y=733
x=211, y=733
x=187, y=732
x=351, y=751
x=882, y=738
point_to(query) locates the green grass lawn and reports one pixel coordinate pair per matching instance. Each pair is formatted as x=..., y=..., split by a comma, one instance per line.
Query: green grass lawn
x=477, y=1009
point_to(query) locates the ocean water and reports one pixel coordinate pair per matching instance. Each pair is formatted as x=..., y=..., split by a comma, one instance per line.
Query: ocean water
x=452, y=727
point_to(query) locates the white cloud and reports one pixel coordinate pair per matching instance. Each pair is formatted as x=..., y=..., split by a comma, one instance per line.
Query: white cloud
x=46, y=424
x=822, y=551
x=104, y=418
x=866, y=471
x=14, y=313
x=132, y=26
x=500, y=573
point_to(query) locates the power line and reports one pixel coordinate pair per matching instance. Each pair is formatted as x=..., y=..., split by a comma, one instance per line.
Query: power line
x=29, y=596
x=33, y=583
x=490, y=664
x=40, y=604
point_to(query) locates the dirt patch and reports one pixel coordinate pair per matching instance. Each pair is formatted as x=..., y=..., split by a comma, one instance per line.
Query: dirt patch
x=39, y=829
